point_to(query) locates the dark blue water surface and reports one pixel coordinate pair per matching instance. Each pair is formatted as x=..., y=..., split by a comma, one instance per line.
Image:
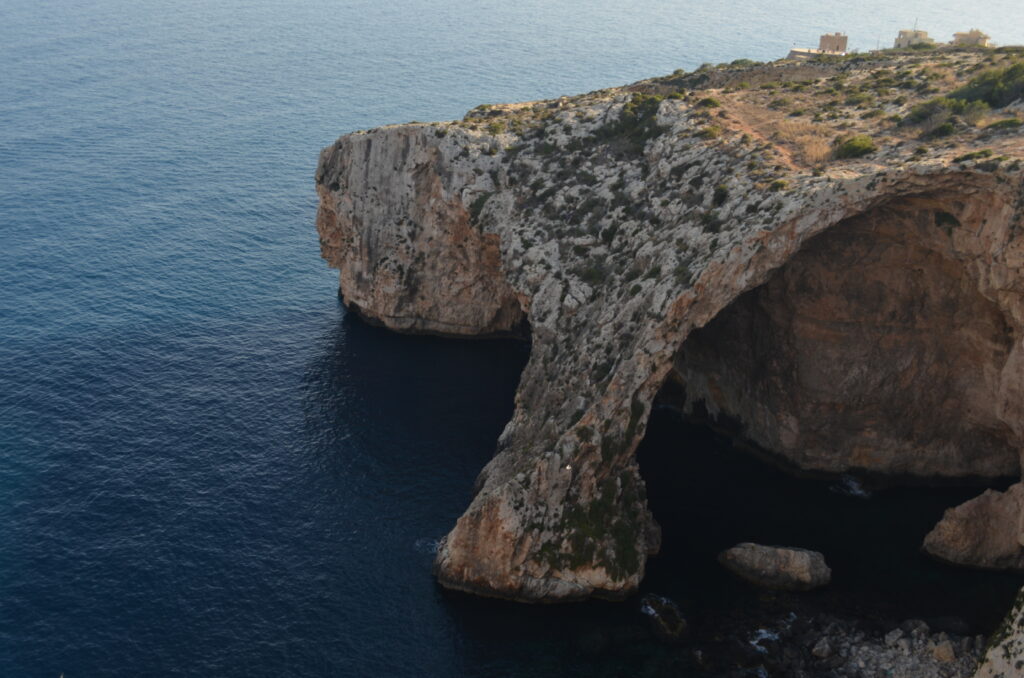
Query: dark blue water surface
x=206, y=467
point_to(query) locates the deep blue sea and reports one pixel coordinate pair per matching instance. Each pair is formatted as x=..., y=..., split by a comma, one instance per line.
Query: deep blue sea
x=206, y=467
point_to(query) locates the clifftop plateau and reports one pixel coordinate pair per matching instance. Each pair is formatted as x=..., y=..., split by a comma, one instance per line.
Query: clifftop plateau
x=825, y=257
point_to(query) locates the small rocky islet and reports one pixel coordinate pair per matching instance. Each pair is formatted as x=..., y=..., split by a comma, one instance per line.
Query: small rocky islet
x=824, y=258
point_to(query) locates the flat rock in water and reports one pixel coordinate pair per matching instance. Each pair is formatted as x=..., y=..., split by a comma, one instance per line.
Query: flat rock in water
x=777, y=567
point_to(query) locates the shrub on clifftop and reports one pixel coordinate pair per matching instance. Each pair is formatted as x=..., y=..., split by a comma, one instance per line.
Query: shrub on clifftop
x=855, y=147
x=997, y=87
x=637, y=124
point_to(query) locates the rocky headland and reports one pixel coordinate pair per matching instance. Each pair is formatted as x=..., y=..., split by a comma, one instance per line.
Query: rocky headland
x=824, y=258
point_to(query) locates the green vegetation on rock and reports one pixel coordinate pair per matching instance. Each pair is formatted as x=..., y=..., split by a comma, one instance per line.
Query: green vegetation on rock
x=856, y=146
x=997, y=87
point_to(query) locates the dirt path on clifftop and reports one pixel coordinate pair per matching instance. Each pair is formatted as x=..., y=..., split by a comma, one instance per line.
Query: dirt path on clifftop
x=796, y=144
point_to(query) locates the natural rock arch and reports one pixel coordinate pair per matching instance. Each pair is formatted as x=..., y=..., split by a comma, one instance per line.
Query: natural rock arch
x=560, y=512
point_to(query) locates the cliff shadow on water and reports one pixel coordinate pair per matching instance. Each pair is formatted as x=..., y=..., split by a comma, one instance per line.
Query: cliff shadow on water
x=706, y=492
x=709, y=494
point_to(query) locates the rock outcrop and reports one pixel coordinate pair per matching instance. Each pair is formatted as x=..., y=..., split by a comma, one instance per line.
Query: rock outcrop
x=862, y=313
x=777, y=567
x=987, y=531
x=408, y=255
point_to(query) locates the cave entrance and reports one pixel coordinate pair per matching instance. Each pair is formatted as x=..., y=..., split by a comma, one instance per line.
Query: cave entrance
x=871, y=349
x=708, y=493
x=873, y=353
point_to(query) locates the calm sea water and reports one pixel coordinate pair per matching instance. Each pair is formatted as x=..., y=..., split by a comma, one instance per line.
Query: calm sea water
x=206, y=468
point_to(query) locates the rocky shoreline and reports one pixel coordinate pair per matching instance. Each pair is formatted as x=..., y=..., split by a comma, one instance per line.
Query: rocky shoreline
x=824, y=646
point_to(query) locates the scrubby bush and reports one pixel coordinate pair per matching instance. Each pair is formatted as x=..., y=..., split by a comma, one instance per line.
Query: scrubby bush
x=594, y=273
x=944, y=130
x=1005, y=124
x=478, y=206
x=858, y=99
x=636, y=125
x=933, y=113
x=997, y=87
x=856, y=146
x=709, y=102
x=974, y=155
x=721, y=195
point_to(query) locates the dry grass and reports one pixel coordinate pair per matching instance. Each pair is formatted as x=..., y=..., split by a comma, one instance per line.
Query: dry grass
x=809, y=143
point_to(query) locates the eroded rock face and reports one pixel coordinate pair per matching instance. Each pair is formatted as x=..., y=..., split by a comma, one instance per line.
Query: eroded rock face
x=392, y=223
x=777, y=567
x=881, y=346
x=987, y=531
x=620, y=224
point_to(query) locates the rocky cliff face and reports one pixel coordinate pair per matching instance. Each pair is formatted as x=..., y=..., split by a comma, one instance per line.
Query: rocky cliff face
x=689, y=236
x=409, y=257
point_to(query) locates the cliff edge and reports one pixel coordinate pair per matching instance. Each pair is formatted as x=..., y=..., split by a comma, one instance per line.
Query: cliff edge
x=826, y=255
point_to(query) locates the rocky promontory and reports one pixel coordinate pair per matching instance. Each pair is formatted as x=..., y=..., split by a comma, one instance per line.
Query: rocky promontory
x=824, y=258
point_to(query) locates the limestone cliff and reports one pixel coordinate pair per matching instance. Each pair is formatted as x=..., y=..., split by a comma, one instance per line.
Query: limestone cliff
x=1004, y=657
x=724, y=238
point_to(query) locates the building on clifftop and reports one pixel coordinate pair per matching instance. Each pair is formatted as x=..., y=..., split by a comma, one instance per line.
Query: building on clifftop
x=909, y=38
x=972, y=38
x=830, y=43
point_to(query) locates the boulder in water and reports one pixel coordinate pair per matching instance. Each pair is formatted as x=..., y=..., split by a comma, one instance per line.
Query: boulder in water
x=777, y=567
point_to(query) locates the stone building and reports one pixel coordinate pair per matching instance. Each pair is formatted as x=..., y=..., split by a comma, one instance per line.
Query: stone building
x=909, y=38
x=972, y=38
x=830, y=43
x=833, y=43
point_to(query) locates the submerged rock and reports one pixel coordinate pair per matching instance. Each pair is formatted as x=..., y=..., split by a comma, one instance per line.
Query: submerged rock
x=667, y=622
x=822, y=649
x=777, y=567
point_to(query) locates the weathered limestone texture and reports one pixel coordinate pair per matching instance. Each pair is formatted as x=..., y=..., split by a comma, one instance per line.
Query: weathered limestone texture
x=849, y=314
x=408, y=255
